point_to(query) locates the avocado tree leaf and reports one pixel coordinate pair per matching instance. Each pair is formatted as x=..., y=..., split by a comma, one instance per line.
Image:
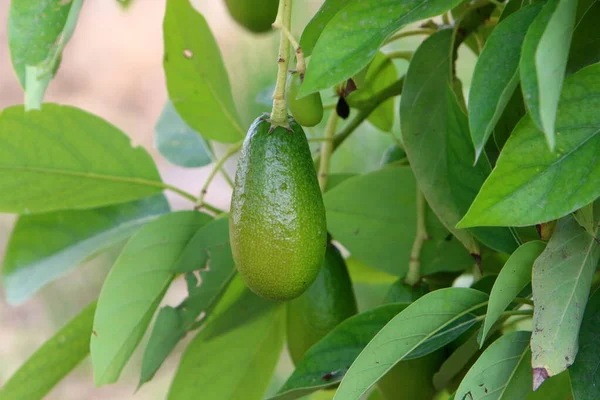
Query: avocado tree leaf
x=585, y=371
x=209, y=254
x=373, y=216
x=529, y=183
x=496, y=74
x=197, y=80
x=315, y=26
x=584, y=45
x=37, y=34
x=134, y=288
x=501, y=372
x=543, y=63
x=326, y=362
x=243, y=371
x=53, y=360
x=65, y=158
x=43, y=247
x=513, y=278
x=561, y=281
x=424, y=326
x=352, y=37
x=586, y=219
x=380, y=74
x=438, y=144
x=178, y=143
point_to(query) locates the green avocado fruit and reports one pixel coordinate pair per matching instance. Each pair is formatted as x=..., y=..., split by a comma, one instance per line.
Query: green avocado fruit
x=277, y=225
x=326, y=303
x=254, y=15
x=308, y=110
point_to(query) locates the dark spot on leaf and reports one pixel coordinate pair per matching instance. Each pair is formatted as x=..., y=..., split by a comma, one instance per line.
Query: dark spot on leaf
x=448, y=238
x=95, y=333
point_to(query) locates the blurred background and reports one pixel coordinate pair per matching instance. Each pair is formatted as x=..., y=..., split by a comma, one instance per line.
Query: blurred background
x=112, y=67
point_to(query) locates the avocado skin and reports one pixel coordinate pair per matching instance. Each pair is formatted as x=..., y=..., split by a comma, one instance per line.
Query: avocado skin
x=255, y=15
x=277, y=226
x=326, y=303
x=307, y=110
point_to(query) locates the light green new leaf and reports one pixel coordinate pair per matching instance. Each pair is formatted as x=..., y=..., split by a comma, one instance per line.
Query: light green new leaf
x=209, y=254
x=197, y=80
x=543, y=63
x=584, y=45
x=315, y=26
x=135, y=287
x=438, y=144
x=561, y=282
x=513, y=278
x=501, y=372
x=230, y=363
x=497, y=74
x=326, y=362
x=585, y=371
x=531, y=184
x=380, y=74
x=65, y=158
x=374, y=217
x=352, y=37
x=43, y=247
x=179, y=143
x=53, y=360
x=408, y=333
x=586, y=218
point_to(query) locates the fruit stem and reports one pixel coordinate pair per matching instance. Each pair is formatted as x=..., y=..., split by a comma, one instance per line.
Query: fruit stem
x=327, y=149
x=284, y=19
x=234, y=148
x=413, y=276
x=300, y=62
x=415, y=32
x=404, y=55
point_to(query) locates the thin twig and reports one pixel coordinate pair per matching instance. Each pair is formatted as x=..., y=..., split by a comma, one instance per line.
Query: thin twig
x=217, y=167
x=413, y=276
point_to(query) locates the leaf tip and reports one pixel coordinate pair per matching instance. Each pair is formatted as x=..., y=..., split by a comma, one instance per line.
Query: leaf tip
x=539, y=376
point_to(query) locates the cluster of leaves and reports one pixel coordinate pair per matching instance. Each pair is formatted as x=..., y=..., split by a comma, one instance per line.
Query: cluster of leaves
x=521, y=155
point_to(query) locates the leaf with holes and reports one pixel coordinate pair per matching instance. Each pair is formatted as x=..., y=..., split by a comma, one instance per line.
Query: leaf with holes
x=65, y=158
x=426, y=325
x=561, y=282
x=208, y=264
x=135, y=286
x=197, y=80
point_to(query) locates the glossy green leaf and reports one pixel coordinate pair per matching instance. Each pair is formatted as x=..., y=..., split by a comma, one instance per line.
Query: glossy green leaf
x=585, y=371
x=584, y=45
x=408, y=333
x=501, y=372
x=209, y=255
x=530, y=184
x=561, y=282
x=373, y=216
x=135, y=287
x=352, y=37
x=224, y=363
x=53, y=360
x=326, y=362
x=65, y=158
x=497, y=74
x=513, y=278
x=380, y=74
x=197, y=80
x=543, y=63
x=438, y=145
x=179, y=143
x=456, y=362
x=43, y=247
x=315, y=26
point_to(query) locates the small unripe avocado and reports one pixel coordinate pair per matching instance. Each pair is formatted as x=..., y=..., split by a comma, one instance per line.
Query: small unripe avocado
x=255, y=15
x=307, y=110
x=277, y=225
x=326, y=303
